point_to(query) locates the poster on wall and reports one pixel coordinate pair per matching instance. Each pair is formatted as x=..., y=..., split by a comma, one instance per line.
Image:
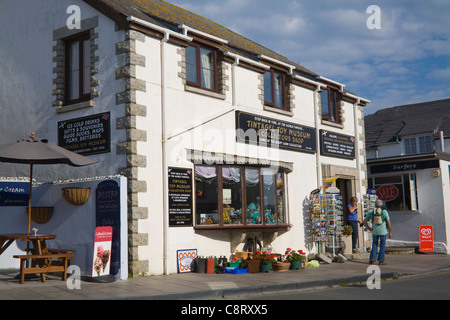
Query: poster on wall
x=337, y=145
x=185, y=260
x=14, y=194
x=180, y=197
x=107, y=214
x=102, y=251
x=86, y=135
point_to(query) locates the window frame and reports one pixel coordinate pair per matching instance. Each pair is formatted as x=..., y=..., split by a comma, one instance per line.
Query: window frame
x=244, y=223
x=198, y=83
x=413, y=145
x=331, y=92
x=81, y=96
x=272, y=87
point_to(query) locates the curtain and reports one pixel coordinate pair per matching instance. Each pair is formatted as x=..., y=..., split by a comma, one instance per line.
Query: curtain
x=231, y=174
x=206, y=57
x=205, y=172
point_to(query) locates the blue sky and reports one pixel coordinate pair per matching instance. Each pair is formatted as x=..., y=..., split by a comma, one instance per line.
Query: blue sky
x=406, y=60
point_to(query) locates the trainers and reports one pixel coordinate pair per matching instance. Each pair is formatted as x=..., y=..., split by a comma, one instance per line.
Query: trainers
x=382, y=263
x=371, y=261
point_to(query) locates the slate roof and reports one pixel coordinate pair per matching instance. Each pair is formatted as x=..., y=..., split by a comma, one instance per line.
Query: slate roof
x=170, y=16
x=386, y=125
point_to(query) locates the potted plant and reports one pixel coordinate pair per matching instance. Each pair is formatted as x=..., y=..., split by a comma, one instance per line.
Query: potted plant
x=266, y=259
x=295, y=258
x=347, y=239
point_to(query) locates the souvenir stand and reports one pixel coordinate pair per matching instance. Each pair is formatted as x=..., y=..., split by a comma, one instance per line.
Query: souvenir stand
x=327, y=219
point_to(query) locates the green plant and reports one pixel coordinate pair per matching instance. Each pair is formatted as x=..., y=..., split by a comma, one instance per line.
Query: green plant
x=292, y=255
x=348, y=230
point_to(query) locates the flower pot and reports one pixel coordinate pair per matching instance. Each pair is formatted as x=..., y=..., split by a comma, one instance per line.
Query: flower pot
x=253, y=266
x=295, y=265
x=280, y=266
x=76, y=196
x=265, y=267
x=346, y=244
x=40, y=215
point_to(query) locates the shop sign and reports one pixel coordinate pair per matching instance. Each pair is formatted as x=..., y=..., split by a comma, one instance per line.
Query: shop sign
x=87, y=135
x=426, y=238
x=14, y=194
x=337, y=145
x=185, y=260
x=404, y=166
x=269, y=132
x=387, y=192
x=180, y=197
x=102, y=251
x=107, y=208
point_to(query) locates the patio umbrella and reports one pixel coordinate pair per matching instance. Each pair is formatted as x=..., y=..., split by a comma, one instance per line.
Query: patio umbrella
x=32, y=150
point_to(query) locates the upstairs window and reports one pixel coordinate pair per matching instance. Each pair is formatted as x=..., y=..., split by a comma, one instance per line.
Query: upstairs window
x=410, y=146
x=78, y=69
x=422, y=144
x=329, y=103
x=201, y=67
x=425, y=144
x=274, y=89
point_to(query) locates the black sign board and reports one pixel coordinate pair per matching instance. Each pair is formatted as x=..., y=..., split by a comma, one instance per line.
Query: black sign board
x=337, y=145
x=107, y=208
x=87, y=135
x=180, y=197
x=271, y=132
x=404, y=166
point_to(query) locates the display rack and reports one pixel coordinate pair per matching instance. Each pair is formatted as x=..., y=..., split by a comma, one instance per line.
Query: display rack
x=368, y=204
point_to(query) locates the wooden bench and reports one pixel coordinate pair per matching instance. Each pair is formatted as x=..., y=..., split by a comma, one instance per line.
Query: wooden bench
x=45, y=263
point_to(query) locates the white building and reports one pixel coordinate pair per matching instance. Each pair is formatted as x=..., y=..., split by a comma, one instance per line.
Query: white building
x=176, y=102
x=408, y=157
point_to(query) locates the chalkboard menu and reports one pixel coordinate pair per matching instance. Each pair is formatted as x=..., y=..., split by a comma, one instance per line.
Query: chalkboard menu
x=107, y=208
x=274, y=133
x=337, y=145
x=180, y=197
x=87, y=135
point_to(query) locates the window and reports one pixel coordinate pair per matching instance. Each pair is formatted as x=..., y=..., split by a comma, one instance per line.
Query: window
x=399, y=192
x=329, y=103
x=78, y=69
x=274, y=89
x=424, y=143
x=201, y=67
x=239, y=196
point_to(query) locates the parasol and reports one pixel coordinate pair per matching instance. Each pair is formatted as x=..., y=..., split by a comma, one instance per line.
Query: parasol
x=32, y=150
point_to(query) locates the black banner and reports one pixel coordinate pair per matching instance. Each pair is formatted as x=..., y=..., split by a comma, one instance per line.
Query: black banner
x=404, y=166
x=180, y=197
x=271, y=132
x=337, y=145
x=87, y=135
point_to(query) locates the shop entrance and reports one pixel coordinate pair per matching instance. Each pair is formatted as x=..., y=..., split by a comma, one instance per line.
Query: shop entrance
x=345, y=186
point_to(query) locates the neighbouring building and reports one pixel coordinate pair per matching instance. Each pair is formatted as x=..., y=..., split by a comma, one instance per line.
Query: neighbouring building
x=408, y=159
x=221, y=139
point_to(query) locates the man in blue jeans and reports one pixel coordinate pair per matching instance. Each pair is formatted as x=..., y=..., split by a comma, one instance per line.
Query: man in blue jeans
x=381, y=227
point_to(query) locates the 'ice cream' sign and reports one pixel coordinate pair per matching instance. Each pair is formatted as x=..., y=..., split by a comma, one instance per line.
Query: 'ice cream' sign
x=102, y=251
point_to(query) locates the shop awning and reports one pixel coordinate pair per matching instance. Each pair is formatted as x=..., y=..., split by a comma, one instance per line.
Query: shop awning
x=207, y=157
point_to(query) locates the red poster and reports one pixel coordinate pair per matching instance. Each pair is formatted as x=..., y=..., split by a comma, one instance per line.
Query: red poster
x=426, y=238
x=102, y=251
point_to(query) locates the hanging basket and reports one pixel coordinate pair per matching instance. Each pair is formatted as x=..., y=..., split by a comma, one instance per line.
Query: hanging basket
x=40, y=215
x=76, y=196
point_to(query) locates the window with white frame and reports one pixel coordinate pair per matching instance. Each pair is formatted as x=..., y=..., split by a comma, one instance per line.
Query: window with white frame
x=401, y=191
x=423, y=144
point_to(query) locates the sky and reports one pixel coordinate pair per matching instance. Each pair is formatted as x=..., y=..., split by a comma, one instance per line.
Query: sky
x=395, y=53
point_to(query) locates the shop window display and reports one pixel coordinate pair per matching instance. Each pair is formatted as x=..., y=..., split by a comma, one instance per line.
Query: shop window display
x=248, y=196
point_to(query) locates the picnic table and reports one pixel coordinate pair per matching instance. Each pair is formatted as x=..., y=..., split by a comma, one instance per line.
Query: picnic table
x=41, y=259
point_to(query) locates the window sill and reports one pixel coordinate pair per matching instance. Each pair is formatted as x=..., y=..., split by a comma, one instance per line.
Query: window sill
x=204, y=92
x=333, y=124
x=278, y=110
x=256, y=227
x=75, y=106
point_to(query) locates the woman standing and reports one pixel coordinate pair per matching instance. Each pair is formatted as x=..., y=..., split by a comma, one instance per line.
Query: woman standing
x=352, y=220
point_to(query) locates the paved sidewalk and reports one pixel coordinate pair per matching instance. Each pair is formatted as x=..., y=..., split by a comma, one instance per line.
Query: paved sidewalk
x=190, y=286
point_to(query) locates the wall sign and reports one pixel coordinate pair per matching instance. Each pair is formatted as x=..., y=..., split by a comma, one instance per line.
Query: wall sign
x=337, y=145
x=271, y=132
x=14, y=194
x=180, y=197
x=87, y=135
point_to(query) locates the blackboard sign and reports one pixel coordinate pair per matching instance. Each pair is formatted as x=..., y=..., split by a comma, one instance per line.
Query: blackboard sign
x=87, y=135
x=107, y=208
x=337, y=145
x=180, y=197
x=271, y=132
x=14, y=194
